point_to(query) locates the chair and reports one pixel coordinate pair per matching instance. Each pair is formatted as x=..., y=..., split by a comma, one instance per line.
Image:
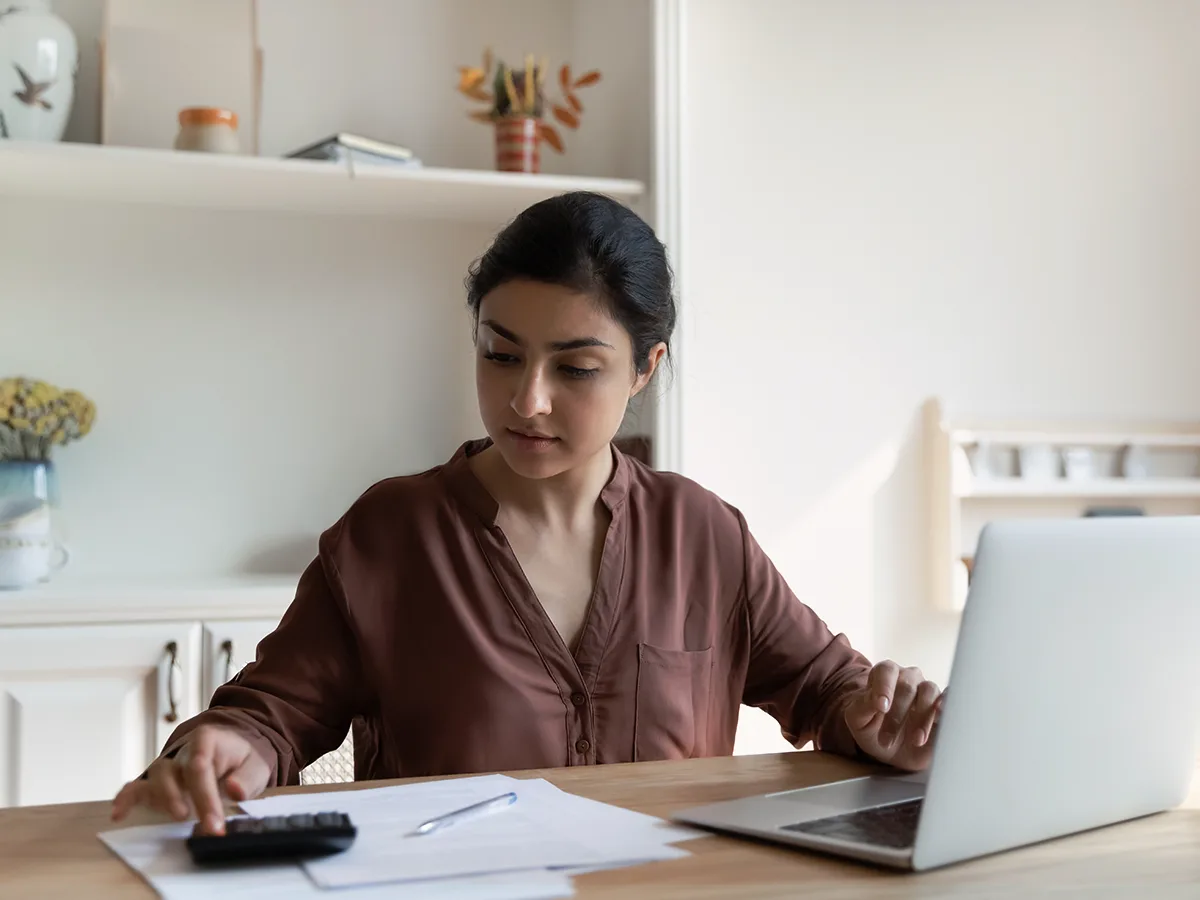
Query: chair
x=334, y=767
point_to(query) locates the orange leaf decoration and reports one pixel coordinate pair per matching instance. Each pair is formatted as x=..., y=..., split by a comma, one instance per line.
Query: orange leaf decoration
x=550, y=135
x=573, y=102
x=478, y=93
x=590, y=78
x=480, y=115
x=564, y=77
x=469, y=78
x=565, y=116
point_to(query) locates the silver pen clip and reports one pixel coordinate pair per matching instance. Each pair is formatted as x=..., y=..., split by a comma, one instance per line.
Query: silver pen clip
x=467, y=812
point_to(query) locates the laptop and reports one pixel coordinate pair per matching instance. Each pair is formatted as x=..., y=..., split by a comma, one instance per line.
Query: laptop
x=1073, y=703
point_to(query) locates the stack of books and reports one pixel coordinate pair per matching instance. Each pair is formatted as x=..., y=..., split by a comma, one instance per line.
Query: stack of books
x=356, y=150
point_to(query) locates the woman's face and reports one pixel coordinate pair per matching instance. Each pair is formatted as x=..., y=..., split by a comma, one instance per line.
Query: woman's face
x=554, y=373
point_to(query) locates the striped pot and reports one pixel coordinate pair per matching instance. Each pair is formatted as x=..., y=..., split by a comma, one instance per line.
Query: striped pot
x=517, y=145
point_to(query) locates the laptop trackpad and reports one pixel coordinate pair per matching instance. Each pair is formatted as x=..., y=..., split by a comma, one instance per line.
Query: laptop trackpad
x=846, y=796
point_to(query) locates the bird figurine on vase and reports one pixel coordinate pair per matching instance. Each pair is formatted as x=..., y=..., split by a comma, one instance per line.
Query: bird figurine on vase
x=39, y=61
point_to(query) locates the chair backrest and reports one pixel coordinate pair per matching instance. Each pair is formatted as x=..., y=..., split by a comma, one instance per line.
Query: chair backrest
x=334, y=767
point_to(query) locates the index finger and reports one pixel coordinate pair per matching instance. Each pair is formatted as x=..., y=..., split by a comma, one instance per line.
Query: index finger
x=200, y=777
x=882, y=684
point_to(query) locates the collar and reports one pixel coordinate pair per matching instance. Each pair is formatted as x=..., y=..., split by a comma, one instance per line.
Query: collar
x=470, y=489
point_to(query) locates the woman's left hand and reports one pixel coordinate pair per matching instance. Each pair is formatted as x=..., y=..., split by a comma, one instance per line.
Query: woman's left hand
x=894, y=718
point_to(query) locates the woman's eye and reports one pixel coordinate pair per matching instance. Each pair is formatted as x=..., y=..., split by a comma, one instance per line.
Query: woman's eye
x=502, y=358
x=576, y=372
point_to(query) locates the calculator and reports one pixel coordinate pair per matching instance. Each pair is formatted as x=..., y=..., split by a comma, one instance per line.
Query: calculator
x=272, y=838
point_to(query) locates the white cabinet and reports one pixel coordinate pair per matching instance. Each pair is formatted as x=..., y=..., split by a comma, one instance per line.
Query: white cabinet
x=84, y=708
x=229, y=645
x=94, y=678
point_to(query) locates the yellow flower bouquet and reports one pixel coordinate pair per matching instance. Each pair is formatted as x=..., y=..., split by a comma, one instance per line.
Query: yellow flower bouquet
x=36, y=416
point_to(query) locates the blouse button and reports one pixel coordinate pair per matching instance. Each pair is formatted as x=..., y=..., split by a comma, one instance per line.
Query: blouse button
x=578, y=699
x=583, y=745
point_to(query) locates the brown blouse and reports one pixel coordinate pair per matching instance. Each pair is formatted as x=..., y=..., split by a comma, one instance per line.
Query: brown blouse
x=416, y=625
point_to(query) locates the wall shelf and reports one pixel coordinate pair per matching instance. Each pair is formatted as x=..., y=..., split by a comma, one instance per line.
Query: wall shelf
x=91, y=172
x=962, y=501
x=1098, y=488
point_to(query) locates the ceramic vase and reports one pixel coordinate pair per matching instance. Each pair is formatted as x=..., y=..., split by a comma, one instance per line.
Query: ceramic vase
x=39, y=59
x=518, y=144
x=29, y=478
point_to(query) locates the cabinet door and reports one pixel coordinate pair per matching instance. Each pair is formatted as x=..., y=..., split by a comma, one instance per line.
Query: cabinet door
x=85, y=708
x=229, y=646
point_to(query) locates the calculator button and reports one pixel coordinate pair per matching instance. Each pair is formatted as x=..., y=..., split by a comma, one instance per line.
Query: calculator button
x=330, y=820
x=274, y=823
x=300, y=820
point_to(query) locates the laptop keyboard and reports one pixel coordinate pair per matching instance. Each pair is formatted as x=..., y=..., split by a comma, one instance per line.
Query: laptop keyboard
x=894, y=825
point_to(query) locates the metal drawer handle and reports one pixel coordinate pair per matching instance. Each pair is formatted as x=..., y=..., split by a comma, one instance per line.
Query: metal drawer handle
x=227, y=649
x=174, y=677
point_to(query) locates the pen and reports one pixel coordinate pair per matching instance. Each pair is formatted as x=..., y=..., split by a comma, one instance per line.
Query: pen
x=467, y=812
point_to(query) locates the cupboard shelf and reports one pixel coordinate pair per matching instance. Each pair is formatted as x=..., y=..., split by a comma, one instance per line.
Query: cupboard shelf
x=961, y=502
x=1148, y=438
x=168, y=178
x=1097, y=488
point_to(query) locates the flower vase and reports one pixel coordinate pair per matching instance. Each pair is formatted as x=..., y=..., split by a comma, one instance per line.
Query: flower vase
x=29, y=478
x=518, y=144
x=39, y=59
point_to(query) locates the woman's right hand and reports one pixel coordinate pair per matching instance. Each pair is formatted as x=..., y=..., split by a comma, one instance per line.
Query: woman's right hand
x=215, y=762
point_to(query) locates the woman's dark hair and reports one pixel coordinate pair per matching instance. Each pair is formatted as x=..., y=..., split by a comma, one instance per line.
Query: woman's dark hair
x=592, y=244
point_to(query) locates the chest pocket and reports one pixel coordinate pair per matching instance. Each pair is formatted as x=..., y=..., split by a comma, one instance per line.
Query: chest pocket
x=673, y=689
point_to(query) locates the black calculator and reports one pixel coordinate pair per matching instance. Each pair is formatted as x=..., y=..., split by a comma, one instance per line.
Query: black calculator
x=272, y=838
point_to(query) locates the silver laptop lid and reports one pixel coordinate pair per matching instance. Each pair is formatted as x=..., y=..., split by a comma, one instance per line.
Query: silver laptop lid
x=1074, y=695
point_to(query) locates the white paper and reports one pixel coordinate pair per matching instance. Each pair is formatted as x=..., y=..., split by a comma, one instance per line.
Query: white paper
x=507, y=840
x=603, y=821
x=158, y=854
x=545, y=828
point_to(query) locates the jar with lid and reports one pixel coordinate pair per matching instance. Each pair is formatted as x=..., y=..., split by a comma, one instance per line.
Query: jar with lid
x=208, y=129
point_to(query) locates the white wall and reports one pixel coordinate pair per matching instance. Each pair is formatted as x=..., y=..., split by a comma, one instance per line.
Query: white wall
x=994, y=202
x=252, y=374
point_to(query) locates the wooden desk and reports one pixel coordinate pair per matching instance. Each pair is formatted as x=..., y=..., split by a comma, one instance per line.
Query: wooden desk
x=52, y=851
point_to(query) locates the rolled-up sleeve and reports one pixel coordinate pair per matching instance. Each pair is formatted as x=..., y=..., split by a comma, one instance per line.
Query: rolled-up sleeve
x=799, y=671
x=297, y=699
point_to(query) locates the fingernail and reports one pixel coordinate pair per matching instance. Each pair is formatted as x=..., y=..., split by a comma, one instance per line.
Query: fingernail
x=884, y=704
x=921, y=738
x=216, y=824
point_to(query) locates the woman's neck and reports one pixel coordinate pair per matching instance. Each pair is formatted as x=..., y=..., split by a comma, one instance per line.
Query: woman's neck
x=566, y=500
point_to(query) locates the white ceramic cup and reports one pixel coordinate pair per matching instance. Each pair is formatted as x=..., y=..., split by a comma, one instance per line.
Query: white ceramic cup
x=27, y=559
x=1039, y=462
x=25, y=516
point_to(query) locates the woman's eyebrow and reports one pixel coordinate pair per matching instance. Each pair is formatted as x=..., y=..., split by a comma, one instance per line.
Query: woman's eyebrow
x=580, y=343
x=556, y=346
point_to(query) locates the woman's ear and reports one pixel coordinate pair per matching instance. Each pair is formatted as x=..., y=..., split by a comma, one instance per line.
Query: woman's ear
x=653, y=358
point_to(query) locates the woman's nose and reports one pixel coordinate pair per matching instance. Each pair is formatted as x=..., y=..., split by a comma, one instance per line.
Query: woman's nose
x=532, y=397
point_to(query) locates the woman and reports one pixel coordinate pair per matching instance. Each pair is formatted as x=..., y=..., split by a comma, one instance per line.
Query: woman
x=540, y=599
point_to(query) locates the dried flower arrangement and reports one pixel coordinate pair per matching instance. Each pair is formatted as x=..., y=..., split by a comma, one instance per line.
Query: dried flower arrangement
x=521, y=93
x=36, y=416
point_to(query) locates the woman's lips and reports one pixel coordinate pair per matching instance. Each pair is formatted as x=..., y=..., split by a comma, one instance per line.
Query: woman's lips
x=532, y=441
